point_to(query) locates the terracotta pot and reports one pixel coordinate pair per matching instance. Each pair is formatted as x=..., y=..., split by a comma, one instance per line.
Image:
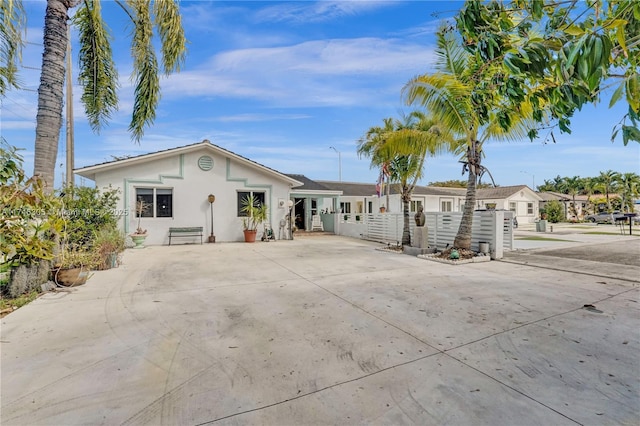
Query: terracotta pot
x=70, y=277
x=250, y=236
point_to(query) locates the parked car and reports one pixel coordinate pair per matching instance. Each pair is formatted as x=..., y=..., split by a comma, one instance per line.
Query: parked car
x=604, y=217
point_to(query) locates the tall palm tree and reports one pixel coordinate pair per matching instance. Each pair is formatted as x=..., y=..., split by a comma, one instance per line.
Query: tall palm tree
x=608, y=180
x=402, y=147
x=98, y=74
x=449, y=94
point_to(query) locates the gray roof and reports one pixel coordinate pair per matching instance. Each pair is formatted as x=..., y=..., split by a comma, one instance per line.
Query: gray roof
x=307, y=184
x=499, y=192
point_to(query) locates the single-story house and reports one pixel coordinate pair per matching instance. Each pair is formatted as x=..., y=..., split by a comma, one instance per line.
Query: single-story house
x=362, y=198
x=177, y=182
x=311, y=199
x=582, y=206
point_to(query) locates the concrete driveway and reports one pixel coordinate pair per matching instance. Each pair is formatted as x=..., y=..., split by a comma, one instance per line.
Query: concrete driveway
x=324, y=330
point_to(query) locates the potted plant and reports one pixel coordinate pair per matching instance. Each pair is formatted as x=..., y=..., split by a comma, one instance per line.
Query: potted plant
x=140, y=234
x=255, y=214
x=108, y=242
x=73, y=265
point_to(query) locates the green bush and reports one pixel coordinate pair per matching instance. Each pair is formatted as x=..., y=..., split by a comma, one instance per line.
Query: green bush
x=28, y=220
x=554, y=211
x=86, y=211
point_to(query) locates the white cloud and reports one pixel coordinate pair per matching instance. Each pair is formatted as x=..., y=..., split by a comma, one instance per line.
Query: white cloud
x=261, y=117
x=319, y=11
x=333, y=72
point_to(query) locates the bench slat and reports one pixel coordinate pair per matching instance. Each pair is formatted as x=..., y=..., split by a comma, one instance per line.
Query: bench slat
x=189, y=231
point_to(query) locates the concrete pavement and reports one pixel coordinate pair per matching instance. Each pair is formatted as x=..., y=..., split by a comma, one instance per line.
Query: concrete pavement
x=325, y=330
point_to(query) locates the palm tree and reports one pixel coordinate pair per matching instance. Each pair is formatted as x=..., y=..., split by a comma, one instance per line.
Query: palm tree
x=608, y=180
x=629, y=187
x=449, y=94
x=98, y=74
x=402, y=147
x=572, y=186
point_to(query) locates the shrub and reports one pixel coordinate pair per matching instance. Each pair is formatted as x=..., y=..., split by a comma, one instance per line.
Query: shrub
x=554, y=211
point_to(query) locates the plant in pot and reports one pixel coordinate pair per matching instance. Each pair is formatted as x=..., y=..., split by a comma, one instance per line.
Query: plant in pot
x=255, y=213
x=108, y=242
x=140, y=234
x=73, y=265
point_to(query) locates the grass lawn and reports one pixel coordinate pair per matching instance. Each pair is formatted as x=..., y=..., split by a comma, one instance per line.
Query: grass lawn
x=542, y=239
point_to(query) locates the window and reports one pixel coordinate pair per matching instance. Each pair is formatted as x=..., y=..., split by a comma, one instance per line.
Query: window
x=512, y=207
x=415, y=205
x=529, y=208
x=159, y=201
x=243, y=195
x=345, y=207
x=370, y=204
x=446, y=206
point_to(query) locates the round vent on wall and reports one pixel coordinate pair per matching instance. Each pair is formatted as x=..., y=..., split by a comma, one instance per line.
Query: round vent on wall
x=205, y=163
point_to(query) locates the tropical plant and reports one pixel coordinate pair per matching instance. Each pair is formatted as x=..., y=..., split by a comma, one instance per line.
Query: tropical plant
x=255, y=213
x=402, y=149
x=107, y=242
x=141, y=207
x=629, y=187
x=456, y=96
x=98, y=75
x=608, y=180
x=87, y=210
x=572, y=186
x=559, y=56
x=554, y=211
x=29, y=218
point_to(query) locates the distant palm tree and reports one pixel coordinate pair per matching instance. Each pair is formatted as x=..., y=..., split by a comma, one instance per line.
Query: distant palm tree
x=629, y=188
x=98, y=74
x=608, y=180
x=572, y=186
x=448, y=95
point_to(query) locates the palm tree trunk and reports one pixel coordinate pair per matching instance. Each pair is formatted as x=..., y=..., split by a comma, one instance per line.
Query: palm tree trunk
x=463, y=238
x=406, y=230
x=50, y=92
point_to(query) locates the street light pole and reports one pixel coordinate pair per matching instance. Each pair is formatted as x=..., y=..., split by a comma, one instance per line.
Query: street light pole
x=533, y=179
x=339, y=163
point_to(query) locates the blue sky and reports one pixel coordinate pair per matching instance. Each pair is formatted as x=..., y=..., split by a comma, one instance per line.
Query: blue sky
x=281, y=82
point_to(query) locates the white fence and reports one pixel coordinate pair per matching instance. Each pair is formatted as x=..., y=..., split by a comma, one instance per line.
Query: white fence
x=492, y=226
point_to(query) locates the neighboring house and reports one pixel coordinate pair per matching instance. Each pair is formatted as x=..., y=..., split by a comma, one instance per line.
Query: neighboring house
x=362, y=198
x=582, y=204
x=177, y=182
x=520, y=199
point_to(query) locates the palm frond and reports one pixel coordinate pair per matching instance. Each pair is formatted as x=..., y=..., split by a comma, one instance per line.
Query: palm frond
x=169, y=28
x=145, y=70
x=445, y=97
x=98, y=75
x=13, y=26
x=452, y=58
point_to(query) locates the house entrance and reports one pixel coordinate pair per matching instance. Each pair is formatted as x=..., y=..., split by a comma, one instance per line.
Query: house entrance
x=298, y=212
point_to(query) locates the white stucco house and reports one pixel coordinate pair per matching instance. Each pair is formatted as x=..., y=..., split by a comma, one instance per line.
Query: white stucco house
x=176, y=184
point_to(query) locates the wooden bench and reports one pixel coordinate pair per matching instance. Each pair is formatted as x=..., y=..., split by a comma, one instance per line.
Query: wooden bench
x=192, y=231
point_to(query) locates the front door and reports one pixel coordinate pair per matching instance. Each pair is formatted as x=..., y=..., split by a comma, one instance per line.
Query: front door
x=298, y=212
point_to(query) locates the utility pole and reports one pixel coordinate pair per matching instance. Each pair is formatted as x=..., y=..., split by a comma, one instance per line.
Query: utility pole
x=339, y=163
x=70, y=153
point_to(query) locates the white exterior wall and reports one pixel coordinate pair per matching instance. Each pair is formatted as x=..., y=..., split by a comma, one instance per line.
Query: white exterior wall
x=191, y=187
